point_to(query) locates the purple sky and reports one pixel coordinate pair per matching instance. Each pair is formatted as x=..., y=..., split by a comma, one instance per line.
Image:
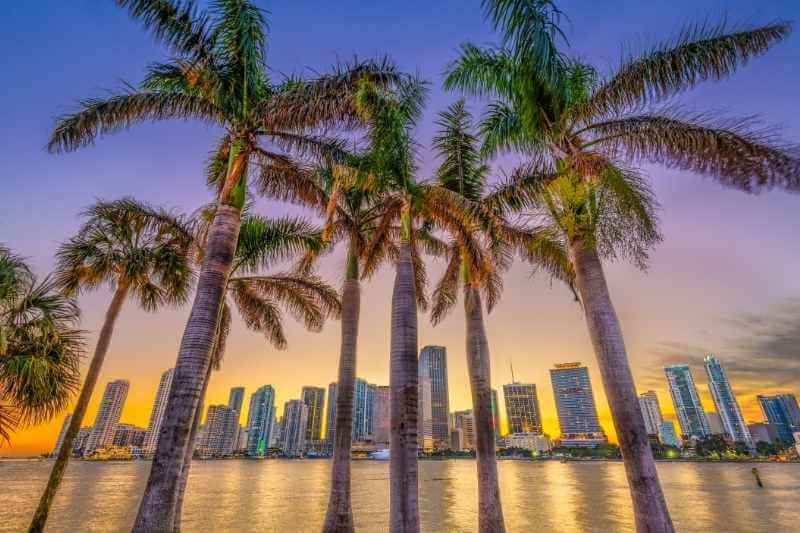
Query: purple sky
x=724, y=280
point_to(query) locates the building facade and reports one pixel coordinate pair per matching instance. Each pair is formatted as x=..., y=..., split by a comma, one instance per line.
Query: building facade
x=381, y=430
x=762, y=432
x=465, y=422
x=496, y=415
x=260, y=418
x=715, y=423
x=105, y=423
x=129, y=435
x=61, y=434
x=221, y=429
x=691, y=416
x=667, y=434
x=535, y=442
x=236, y=399
x=781, y=410
x=157, y=414
x=295, y=422
x=330, y=417
x=577, y=413
x=727, y=406
x=434, y=404
x=363, y=411
x=651, y=411
x=314, y=398
x=522, y=408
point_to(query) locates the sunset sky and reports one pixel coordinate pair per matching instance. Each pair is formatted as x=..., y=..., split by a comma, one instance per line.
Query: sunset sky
x=724, y=280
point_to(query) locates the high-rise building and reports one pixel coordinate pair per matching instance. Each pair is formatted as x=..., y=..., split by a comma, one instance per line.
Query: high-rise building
x=762, y=432
x=129, y=435
x=157, y=414
x=456, y=439
x=465, y=421
x=61, y=434
x=382, y=425
x=495, y=415
x=295, y=421
x=434, y=406
x=782, y=411
x=107, y=418
x=219, y=437
x=330, y=418
x=424, y=413
x=236, y=399
x=651, y=411
x=260, y=417
x=728, y=408
x=667, y=434
x=314, y=398
x=688, y=407
x=80, y=440
x=362, y=411
x=522, y=408
x=577, y=413
x=715, y=423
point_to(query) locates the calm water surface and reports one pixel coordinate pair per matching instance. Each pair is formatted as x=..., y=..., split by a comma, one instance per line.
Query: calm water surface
x=282, y=495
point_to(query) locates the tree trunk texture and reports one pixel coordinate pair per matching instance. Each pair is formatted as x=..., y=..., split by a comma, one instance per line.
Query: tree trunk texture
x=100, y=351
x=157, y=508
x=187, y=459
x=490, y=510
x=649, y=506
x=339, y=517
x=404, y=380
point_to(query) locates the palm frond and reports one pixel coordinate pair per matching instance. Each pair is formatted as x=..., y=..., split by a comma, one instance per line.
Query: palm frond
x=176, y=23
x=482, y=71
x=462, y=169
x=445, y=295
x=264, y=242
x=259, y=314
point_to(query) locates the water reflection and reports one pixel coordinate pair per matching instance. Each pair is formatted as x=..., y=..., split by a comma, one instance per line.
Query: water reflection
x=278, y=495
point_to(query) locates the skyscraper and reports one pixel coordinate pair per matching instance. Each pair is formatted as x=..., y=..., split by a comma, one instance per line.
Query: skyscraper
x=782, y=411
x=362, y=411
x=715, y=423
x=465, y=422
x=219, y=437
x=260, y=418
x=382, y=426
x=495, y=414
x=129, y=435
x=157, y=414
x=330, y=419
x=295, y=421
x=577, y=413
x=236, y=399
x=651, y=411
x=684, y=394
x=667, y=434
x=728, y=408
x=107, y=418
x=522, y=408
x=434, y=407
x=61, y=434
x=314, y=398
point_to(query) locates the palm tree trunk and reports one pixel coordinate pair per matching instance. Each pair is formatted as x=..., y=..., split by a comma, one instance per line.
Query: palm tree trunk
x=187, y=459
x=404, y=382
x=339, y=517
x=490, y=510
x=649, y=506
x=100, y=351
x=157, y=508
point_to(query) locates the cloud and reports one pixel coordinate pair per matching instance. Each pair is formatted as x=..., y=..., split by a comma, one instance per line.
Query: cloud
x=760, y=355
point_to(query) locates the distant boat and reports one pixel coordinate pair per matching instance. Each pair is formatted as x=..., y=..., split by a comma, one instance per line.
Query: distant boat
x=380, y=455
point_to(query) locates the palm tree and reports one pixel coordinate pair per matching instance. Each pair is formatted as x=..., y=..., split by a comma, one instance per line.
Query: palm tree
x=143, y=254
x=580, y=132
x=218, y=77
x=40, y=349
x=259, y=297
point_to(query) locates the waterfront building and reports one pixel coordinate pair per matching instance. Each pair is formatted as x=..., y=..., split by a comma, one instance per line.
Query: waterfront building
x=691, y=416
x=80, y=440
x=522, y=408
x=381, y=430
x=363, y=411
x=763, y=432
x=157, y=414
x=219, y=437
x=651, y=412
x=314, y=398
x=434, y=401
x=782, y=411
x=61, y=434
x=108, y=415
x=715, y=423
x=276, y=434
x=535, y=442
x=465, y=421
x=456, y=439
x=667, y=434
x=129, y=435
x=295, y=422
x=260, y=418
x=577, y=413
x=330, y=418
x=236, y=399
x=495, y=414
x=727, y=406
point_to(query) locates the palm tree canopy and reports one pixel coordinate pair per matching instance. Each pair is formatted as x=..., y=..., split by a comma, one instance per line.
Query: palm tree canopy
x=129, y=242
x=40, y=347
